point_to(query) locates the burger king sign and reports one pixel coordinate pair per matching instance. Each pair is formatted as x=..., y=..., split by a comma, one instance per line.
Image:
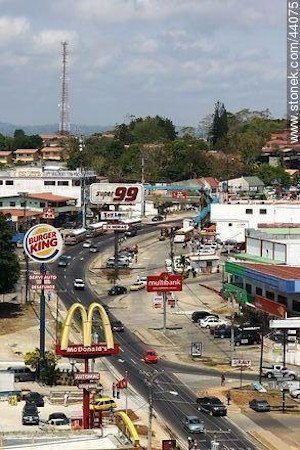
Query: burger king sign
x=43, y=243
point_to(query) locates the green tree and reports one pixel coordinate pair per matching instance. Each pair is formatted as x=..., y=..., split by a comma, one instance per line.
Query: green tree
x=268, y=174
x=9, y=263
x=49, y=373
x=219, y=127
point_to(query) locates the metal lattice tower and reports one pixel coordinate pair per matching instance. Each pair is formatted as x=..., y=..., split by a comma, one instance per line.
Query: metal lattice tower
x=64, y=126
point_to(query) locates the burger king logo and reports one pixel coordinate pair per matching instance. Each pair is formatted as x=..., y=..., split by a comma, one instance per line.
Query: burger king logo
x=43, y=243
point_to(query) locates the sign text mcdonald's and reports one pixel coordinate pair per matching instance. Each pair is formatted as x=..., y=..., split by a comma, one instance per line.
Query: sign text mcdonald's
x=87, y=349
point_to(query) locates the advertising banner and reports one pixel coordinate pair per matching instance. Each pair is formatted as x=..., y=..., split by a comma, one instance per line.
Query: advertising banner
x=43, y=243
x=165, y=282
x=116, y=193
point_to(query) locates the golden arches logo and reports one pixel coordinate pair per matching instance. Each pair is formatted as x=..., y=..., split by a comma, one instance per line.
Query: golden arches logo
x=87, y=318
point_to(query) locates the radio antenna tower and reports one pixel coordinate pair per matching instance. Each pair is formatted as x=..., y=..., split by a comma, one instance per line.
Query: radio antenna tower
x=64, y=126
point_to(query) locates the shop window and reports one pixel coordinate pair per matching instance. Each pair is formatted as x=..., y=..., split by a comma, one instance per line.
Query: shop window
x=249, y=211
x=49, y=183
x=12, y=203
x=262, y=211
x=1, y=182
x=76, y=183
x=258, y=291
x=63, y=183
x=296, y=305
x=9, y=182
x=270, y=295
x=1, y=203
x=282, y=299
x=42, y=204
x=248, y=288
x=230, y=224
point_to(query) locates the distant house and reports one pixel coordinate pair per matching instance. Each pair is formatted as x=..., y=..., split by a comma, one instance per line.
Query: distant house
x=245, y=184
x=53, y=153
x=53, y=140
x=27, y=155
x=6, y=157
x=211, y=184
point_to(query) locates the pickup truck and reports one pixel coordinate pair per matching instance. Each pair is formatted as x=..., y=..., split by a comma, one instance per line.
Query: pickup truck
x=277, y=371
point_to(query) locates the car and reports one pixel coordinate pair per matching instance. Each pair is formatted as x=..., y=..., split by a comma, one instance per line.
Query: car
x=103, y=404
x=247, y=338
x=87, y=243
x=94, y=249
x=210, y=321
x=117, y=290
x=22, y=373
x=78, y=283
x=295, y=393
x=30, y=415
x=150, y=357
x=118, y=265
x=137, y=286
x=36, y=398
x=63, y=261
x=157, y=218
x=131, y=233
x=58, y=418
x=198, y=315
x=259, y=405
x=117, y=325
x=223, y=331
x=212, y=406
x=193, y=424
x=142, y=279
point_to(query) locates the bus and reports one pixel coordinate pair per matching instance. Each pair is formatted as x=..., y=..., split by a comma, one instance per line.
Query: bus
x=183, y=235
x=96, y=229
x=75, y=236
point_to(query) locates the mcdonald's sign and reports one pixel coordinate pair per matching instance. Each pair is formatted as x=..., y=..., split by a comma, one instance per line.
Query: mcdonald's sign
x=87, y=349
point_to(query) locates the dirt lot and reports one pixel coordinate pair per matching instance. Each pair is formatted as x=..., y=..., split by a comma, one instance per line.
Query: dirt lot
x=9, y=312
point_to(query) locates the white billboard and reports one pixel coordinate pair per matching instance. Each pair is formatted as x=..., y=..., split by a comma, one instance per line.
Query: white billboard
x=116, y=193
x=287, y=324
x=114, y=215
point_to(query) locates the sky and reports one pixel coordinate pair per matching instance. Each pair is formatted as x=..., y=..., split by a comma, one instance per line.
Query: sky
x=174, y=58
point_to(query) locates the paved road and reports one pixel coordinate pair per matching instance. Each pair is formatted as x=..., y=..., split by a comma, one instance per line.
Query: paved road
x=172, y=399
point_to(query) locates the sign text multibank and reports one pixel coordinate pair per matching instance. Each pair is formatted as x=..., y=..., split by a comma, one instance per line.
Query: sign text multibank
x=165, y=282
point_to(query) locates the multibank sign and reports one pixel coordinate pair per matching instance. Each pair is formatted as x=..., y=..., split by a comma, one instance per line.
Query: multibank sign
x=87, y=349
x=43, y=243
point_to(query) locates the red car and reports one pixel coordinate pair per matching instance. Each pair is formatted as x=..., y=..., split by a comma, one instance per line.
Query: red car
x=150, y=357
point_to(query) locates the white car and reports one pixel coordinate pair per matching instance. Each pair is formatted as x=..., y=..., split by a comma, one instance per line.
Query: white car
x=87, y=244
x=211, y=321
x=78, y=283
x=295, y=393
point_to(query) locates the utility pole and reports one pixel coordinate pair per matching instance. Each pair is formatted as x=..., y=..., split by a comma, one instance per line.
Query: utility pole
x=150, y=381
x=24, y=196
x=143, y=180
x=82, y=173
x=172, y=249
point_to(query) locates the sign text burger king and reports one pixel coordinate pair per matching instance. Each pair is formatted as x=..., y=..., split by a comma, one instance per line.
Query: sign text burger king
x=43, y=243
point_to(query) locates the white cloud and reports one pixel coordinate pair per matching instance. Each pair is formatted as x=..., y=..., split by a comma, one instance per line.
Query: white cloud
x=49, y=40
x=12, y=28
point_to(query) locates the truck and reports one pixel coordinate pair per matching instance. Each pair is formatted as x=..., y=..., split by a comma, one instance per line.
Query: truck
x=278, y=371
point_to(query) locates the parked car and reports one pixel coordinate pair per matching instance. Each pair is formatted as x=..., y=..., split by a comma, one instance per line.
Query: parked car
x=198, y=315
x=223, y=331
x=117, y=325
x=30, y=415
x=87, y=243
x=259, y=405
x=137, y=286
x=193, y=424
x=22, y=373
x=58, y=418
x=78, y=283
x=117, y=290
x=210, y=321
x=103, y=404
x=36, y=398
x=132, y=232
x=118, y=264
x=247, y=338
x=157, y=218
x=212, y=406
x=150, y=357
x=295, y=393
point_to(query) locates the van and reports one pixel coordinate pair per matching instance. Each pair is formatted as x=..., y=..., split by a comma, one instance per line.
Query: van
x=103, y=404
x=247, y=338
x=22, y=373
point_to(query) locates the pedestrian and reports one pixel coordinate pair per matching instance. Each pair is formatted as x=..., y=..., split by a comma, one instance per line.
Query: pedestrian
x=222, y=379
x=66, y=398
x=190, y=443
x=228, y=396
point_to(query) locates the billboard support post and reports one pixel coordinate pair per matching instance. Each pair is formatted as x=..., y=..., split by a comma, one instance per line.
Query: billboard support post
x=86, y=400
x=164, y=312
x=42, y=318
x=283, y=363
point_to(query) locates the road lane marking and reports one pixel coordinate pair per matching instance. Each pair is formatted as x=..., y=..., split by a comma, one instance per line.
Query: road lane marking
x=134, y=362
x=122, y=350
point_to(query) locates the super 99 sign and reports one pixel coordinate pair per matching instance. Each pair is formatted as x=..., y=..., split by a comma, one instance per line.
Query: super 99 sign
x=116, y=193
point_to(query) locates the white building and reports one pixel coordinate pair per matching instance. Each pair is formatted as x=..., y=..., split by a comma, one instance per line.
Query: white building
x=232, y=219
x=36, y=179
x=282, y=248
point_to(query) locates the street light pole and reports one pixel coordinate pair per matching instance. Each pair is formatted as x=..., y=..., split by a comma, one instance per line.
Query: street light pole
x=82, y=170
x=24, y=196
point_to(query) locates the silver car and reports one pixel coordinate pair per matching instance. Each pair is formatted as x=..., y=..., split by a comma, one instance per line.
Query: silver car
x=193, y=424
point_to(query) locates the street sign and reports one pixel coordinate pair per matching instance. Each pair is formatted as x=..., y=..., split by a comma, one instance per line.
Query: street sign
x=270, y=307
x=290, y=323
x=157, y=301
x=196, y=349
x=235, y=362
x=82, y=376
x=87, y=386
x=114, y=215
x=165, y=282
x=48, y=213
x=43, y=243
x=116, y=193
x=116, y=227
